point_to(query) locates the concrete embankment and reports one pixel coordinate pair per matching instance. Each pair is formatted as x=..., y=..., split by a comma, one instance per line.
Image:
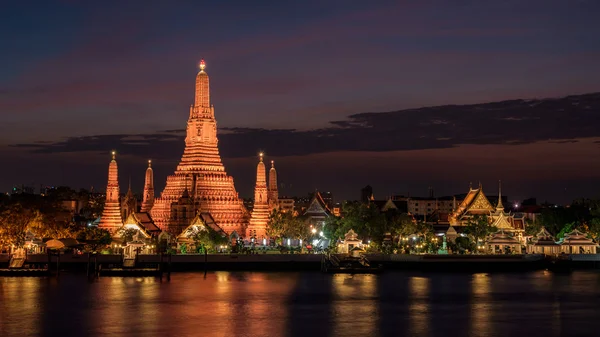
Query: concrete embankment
x=291, y=262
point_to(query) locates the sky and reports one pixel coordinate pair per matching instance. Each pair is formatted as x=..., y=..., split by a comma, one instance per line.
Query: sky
x=330, y=90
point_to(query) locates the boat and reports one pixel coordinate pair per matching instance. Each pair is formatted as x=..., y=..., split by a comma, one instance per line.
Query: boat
x=355, y=263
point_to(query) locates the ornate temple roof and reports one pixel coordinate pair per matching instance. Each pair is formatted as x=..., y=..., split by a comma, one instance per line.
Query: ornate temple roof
x=451, y=231
x=317, y=206
x=351, y=236
x=142, y=222
x=475, y=202
x=577, y=238
x=501, y=238
x=502, y=220
x=200, y=222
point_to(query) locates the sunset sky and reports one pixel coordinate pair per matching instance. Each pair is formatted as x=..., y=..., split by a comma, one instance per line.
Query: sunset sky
x=295, y=79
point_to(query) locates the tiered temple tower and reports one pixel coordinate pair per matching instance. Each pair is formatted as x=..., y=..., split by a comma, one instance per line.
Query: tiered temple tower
x=273, y=191
x=200, y=168
x=260, y=212
x=111, y=214
x=148, y=201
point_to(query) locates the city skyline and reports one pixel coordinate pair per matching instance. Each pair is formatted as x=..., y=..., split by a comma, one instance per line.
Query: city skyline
x=71, y=94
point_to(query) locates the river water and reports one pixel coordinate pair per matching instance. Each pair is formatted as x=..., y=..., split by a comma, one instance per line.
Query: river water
x=304, y=304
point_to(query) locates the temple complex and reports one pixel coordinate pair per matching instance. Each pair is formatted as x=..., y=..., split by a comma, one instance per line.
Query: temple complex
x=260, y=213
x=476, y=203
x=148, y=201
x=111, y=215
x=200, y=176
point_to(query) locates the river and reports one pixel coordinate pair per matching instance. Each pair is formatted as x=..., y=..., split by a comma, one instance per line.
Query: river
x=304, y=304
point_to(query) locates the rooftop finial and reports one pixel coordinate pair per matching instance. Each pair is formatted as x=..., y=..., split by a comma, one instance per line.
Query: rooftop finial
x=500, y=205
x=202, y=65
x=272, y=163
x=149, y=162
x=114, y=154
x=261, y=156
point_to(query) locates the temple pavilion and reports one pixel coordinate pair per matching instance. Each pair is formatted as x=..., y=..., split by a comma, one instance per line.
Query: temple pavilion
x=202, y=222
x=503, y=243
x=576, y=242
x=544, y=243
x=476, y=203
x=317, y=211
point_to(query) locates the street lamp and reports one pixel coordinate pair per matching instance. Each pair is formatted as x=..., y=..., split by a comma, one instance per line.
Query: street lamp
x=314, y=230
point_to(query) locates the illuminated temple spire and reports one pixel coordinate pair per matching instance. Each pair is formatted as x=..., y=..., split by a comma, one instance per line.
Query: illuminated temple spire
x=111, y=214
x=500, y=206
x=273, y=192
x=148, y=200
x=212, y=190
x=260, y=213
x=202, y=87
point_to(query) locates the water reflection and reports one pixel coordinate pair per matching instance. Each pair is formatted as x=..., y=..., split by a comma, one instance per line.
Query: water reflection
x=355, y=304
x=20, y=297
x=419, y=306
x=303, y=304
x=480, y=304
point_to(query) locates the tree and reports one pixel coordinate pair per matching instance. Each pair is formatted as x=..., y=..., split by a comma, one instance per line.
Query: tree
x=401, y=224
x=127, y=234
x=209, y=239
x=364, y=219
x=532, y=228
x=94, y=238
x=286, y=225
x=567, y=228
x=461, y=245
x=15, y=221
x=594, y=229
x=277, y=224
x=479, y=227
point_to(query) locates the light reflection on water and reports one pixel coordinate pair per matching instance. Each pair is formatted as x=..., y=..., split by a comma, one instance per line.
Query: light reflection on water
x=303, y=304
x=419, y=306
x=481, y=303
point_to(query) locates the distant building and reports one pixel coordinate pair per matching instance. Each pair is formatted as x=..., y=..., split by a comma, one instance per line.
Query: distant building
x=287, y=204
x=22, y=189
x=366, y=194
x=423, y=206
x=327, y=198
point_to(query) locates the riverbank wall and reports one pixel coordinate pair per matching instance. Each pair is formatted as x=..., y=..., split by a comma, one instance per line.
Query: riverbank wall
x=294, y=262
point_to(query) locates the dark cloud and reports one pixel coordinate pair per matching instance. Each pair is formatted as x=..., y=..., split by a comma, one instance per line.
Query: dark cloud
x=509, y=122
